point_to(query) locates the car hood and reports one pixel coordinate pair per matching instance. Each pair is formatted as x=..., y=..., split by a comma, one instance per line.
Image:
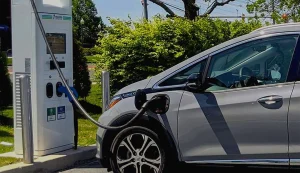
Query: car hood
x=135, y=86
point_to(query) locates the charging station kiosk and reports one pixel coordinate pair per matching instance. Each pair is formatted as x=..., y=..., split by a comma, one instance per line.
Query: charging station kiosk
x=52, y=113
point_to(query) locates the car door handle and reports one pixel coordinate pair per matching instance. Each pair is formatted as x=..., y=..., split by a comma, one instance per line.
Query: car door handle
x=269, y=100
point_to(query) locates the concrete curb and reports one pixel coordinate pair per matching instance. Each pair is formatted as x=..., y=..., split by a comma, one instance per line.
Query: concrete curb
x=53, y=162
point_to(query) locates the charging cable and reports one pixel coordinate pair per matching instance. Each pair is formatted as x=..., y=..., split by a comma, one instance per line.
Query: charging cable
x=73, y=97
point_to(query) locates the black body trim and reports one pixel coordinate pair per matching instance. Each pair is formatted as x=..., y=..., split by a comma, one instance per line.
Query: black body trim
x=294, y=73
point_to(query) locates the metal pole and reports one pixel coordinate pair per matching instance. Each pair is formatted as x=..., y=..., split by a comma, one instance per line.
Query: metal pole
x=146, y=9
x=26, y=119
x=273, y=11
x=105, y=91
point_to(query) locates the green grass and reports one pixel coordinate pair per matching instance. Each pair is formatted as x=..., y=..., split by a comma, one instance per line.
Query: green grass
x=6, y=135
x=92, y=59
x=8, y=160
x=95, y=95
x=87, y=130
x=6, y=129
x=9, y=61
x=8, y=112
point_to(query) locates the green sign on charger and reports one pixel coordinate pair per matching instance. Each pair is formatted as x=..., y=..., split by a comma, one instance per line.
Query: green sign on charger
x=56, y=17
x=51, y=114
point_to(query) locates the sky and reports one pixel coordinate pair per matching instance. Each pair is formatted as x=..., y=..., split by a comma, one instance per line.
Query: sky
x=133, y=8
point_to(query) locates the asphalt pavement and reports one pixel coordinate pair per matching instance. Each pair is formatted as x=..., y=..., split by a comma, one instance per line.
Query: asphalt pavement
x=92, y=166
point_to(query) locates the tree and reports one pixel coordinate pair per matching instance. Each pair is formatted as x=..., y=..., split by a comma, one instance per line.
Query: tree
x=87, y=32
x=86, y=23
x=279, y=10
x=191, y=8
x=81, y=75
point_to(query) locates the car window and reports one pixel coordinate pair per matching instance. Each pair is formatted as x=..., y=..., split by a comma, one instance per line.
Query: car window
x=261, y=62
x=181, y=77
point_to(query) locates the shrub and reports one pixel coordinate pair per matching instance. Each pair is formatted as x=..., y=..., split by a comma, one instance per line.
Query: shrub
x=133, y=51
x=82, y=82
x=90, y=51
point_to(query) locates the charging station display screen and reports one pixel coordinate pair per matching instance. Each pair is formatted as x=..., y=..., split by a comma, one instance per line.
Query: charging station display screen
x=57, y=43
x=57, y=3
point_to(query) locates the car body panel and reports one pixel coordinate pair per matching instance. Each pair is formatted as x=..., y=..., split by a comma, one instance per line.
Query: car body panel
x=132, y=87
x=105, y=119
x=233, y=125
x=294, y=123
x=294, y=115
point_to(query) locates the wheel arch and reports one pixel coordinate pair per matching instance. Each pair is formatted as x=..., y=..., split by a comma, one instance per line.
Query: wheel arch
x=145, y=121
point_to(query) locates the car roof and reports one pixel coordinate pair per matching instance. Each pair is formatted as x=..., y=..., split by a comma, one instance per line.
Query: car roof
x=273, y=29
x=286, y=27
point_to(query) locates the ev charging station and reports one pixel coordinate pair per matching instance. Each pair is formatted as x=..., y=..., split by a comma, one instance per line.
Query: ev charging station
x=52, y=113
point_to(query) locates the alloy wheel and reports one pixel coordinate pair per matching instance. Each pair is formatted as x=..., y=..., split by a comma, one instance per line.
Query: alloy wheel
x=138, y=153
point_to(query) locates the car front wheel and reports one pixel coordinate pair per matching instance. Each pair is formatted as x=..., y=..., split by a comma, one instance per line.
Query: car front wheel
x=137, y=150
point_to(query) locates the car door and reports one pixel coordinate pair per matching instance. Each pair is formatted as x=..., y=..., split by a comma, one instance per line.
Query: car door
x=293, y=116
x=242, y=113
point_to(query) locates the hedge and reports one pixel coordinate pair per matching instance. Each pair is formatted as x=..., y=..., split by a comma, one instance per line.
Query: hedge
x=133, y=51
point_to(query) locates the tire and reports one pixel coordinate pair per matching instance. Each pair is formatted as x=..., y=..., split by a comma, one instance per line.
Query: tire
x=148, y=155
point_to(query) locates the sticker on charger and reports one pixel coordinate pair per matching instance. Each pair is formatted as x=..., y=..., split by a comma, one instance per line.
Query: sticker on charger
x=51, y=114
x=56, y=17
x=61, y=112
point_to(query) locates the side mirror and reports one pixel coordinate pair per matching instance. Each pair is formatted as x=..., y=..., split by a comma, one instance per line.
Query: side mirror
x=194, y=81
x=160, y=104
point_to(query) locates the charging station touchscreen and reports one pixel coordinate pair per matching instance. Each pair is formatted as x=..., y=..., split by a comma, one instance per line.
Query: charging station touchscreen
x=57, y=43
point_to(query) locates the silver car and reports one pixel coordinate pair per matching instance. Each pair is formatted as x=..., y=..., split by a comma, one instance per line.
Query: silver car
x=236, y=103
